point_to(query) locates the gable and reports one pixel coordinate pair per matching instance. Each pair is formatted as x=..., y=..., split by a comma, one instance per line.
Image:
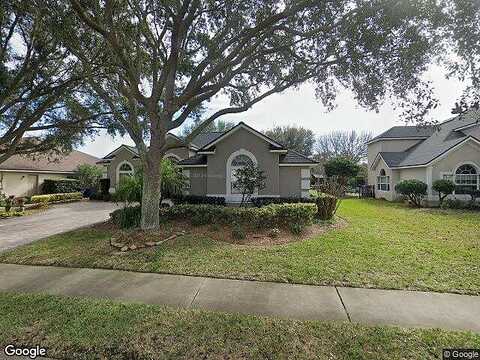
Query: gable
x=245, y=128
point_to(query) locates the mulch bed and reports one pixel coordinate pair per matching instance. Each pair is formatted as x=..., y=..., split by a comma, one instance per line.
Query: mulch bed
x=135, y=239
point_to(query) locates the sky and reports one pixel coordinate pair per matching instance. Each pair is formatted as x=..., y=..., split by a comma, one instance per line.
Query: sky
x=301, y=108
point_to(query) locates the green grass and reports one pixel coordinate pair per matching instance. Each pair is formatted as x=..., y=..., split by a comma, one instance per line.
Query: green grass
x=96, y=329
x=385, y=245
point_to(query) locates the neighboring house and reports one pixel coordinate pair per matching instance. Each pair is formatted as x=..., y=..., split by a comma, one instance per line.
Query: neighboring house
x=24, y=176
x=450, y=150
x=210, y=161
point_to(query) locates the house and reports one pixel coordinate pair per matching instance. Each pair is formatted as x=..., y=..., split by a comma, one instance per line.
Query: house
x=24, y=176
x=450, y=150
x=210, y=160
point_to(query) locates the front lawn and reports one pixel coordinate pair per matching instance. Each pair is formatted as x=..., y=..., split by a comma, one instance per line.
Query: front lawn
x=72, y=328
x=384, y=245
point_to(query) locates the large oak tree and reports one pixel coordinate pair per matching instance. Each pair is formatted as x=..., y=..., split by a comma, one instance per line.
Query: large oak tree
x=162, y=61
x=45, y=105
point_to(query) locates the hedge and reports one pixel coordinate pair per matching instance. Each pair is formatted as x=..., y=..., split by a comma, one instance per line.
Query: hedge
x=274, y=215
x=196, y=199
x=260, y=201
x=61, y=186
x=45, y=199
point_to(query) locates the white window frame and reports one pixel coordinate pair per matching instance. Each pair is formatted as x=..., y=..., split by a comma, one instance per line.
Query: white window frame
x=122, y=172
x=383, y=182
x=230, y=168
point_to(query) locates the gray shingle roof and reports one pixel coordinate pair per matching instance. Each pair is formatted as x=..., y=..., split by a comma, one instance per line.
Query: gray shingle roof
x=406, y=132
x=204, y=138
x=440, y=141
x=194, y=160
x=293, y=157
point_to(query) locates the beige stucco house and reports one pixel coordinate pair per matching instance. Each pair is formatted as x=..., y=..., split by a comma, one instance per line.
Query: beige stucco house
x=210, y=161
x=450, y=150
x=24, y=176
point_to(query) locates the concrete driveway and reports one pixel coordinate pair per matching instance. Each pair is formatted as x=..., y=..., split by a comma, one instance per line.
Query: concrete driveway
x=55, y=220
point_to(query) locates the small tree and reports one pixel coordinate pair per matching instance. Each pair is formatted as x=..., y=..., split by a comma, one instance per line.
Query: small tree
x=173, y=181
x=444, y=188
x=415, y=190
x=89, y=176
x=341, y=168
x=248, y=179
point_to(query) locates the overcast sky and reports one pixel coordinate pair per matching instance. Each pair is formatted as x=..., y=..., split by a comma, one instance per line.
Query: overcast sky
x=301, y=108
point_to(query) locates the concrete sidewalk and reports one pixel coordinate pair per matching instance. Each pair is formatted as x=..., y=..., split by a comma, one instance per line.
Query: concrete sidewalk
x=368, y=306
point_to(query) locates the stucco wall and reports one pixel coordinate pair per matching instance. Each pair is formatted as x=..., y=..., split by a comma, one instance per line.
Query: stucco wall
x=198, y=180
x=468, y=153
x=290, y=181
x=122, y=155
x=242, y=139
x=25, y=184
x=385, y=146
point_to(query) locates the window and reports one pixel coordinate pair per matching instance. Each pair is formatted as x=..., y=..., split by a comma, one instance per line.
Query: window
x=125, y=170
x=466, y=179
x=383, y=181
x=238, y=162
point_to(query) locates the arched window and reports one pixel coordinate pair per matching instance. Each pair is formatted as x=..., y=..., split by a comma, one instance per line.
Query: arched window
x=383, y=181
x=466, y=179
x=466, y=169
x=236, y=161
x=125, y=169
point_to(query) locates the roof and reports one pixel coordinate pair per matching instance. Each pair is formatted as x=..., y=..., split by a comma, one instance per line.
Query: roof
x=293, y=157
x=402, y=132
x=203, y=139
x=446, y=137
x=194, y=160
x=56, y=163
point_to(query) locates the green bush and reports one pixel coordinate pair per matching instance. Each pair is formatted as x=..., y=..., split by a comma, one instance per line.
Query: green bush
x=61, y=186
x=414, y=190
x=296, y=229
x=238, y=233
x=460, y=204
x=127, y=217
x=45, y=199
x=260, y=218
x=326, y=206
x=444, y=188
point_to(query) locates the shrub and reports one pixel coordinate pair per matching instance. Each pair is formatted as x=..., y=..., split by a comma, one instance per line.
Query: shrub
x=460, y=204
x=248, y=179
x=61, y=186
x=89, y=176
x=45, y=199
x=263, y=201
x=129, y=190
x=195, y=199
x=326, y=206
x=261, y=218
x=127, y=217
x=444, y=188
x=296, y=229
x=9, y=202
x=238, y=233
x=415, y=190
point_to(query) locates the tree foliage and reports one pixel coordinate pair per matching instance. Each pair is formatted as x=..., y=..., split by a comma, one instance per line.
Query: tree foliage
x=158, y=63
x=89, y=176
x=348, y=144
x=341, y=168
x=414, y=190
x=44, y=102
x=294, y=138
x=249, y=179
x=444, y=188
x=216, y=126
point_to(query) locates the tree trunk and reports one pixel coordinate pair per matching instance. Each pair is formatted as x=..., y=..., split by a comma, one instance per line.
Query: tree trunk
x=151, y=193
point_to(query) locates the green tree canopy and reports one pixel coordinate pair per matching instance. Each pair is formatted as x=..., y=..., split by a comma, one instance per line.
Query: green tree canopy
x=293, y=137
x=158, y=63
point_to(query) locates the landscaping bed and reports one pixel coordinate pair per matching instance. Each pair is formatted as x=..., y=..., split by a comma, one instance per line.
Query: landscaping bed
x=385, y=245
x=74, y=328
